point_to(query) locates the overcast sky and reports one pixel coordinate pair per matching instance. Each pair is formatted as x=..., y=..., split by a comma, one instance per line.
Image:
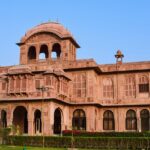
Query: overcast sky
x=101, y=27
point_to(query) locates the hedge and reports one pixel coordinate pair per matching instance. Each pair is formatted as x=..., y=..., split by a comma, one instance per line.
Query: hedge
x=4, y=132
x=104, y=134
x=82, y=142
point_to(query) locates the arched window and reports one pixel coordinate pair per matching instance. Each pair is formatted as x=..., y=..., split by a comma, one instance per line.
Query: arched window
x=56, y=51
x=130, y=86
x=43, y=52
x=108, y=88
x=37, y=121
x=108, y=120
x=144, y=114
x=4, y=118
x=143, y=84
x=79, y=85
x=79, y=120
x=32, y=53
x=131, y=120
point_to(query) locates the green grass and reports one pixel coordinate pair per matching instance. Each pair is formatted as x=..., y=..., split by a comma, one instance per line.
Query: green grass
x=28, y=148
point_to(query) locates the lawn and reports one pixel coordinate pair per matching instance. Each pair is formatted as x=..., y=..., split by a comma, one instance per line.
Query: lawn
x=28, y=148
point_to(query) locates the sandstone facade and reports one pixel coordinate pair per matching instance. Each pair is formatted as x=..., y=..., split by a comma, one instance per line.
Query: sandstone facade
x=51, y=90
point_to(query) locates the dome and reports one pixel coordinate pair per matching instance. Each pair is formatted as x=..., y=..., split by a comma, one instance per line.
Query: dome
x=51, y=27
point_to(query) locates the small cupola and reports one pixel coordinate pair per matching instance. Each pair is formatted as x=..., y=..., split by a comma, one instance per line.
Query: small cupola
x=47, y=42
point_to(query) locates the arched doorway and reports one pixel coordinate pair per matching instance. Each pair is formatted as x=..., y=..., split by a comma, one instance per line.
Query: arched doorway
x=57, y=121
x=37, y=121
x=20, y=119
x=79, y=120
x=3, y=119
x=144, y=114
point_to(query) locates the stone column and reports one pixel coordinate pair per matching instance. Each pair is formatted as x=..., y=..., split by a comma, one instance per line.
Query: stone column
x=139, y=124
x=65, y=118
x=21, y=83
x=9, y=116
x=30, y=121
x=15, y=80
x=37, y=52
x=49, y=51
x=46, y=124
x=138, y=121
x=30, y=126
x=51, y=116
x=90, y=119
x=117, y=119
x=100, y=120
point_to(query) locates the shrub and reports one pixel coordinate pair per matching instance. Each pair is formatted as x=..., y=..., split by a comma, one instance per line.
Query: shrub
x=4, y=132
x=104, y=134
x=38, y=141
x=81, y=142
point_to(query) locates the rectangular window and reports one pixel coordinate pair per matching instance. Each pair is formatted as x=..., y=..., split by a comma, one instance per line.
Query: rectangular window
x=130, y=87
x=79, y=85
x=143, y=88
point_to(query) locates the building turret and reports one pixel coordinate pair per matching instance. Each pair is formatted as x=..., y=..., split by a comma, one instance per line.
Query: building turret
x=47, y=42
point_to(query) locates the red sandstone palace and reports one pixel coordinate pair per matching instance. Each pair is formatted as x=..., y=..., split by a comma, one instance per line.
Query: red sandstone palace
x=51, y=90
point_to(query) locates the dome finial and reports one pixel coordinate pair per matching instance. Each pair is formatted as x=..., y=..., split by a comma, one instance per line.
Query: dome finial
x=119, y=56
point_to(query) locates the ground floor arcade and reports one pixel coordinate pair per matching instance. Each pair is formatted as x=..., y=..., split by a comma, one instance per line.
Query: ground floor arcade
x=48, y=118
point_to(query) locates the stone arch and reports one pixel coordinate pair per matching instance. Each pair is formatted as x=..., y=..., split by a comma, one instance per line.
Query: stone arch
x=56, y=51
x=3, y=118
x=20, y=119
x=58, y=119
x=32, y=53
x=37, y=121
x=43, y=54
x=79, y=119
x=144, y=115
